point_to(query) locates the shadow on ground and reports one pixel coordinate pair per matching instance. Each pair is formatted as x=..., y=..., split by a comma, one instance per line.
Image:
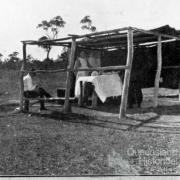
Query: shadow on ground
x=123, y=125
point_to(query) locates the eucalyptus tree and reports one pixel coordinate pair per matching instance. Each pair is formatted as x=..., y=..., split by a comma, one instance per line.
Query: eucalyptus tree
x=51, y=29
x=86, y=23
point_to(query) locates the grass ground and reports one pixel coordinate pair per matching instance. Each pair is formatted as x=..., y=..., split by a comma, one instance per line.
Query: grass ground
x=10, y=83
x=61, y=145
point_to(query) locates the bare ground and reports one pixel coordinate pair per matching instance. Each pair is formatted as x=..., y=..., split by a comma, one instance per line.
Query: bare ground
x=52, y=143
x=55, y=144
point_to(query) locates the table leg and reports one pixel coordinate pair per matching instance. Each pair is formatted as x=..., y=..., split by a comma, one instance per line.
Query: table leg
x=94, y=98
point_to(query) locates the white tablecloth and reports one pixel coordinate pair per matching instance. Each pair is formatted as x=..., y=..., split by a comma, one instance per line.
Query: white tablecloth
x=105, y=85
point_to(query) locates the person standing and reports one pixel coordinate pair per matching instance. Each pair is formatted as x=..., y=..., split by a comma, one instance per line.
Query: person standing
x=82, y=63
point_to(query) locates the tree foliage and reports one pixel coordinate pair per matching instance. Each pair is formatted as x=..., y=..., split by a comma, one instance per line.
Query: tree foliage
x=64, y=54
x=51, y=28
x=10, y=62
x=45, y=46
x=1, y=55
x=87, y=24
x=13, y=57
x=29, y=58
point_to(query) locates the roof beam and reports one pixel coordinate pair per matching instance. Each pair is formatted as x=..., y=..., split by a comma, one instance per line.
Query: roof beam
x=156, y=33
x=102, y=32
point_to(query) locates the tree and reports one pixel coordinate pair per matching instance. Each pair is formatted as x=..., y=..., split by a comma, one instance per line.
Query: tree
x=29, y=58
x=13, y=57
x=64, y=54
x=13, y=60
x=87, y=24
x=51, y=29
x=46, y=47
x=1, y=55
x=29, y=61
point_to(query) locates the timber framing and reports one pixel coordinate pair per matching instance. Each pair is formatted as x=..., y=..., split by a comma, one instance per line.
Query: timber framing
x=104, y=39
x=123, y=38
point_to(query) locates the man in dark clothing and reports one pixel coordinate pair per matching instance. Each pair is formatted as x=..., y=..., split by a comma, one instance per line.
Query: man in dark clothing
x=135, y=95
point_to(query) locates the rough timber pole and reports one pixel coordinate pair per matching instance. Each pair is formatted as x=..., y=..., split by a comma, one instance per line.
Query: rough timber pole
x=69, y=76
x=21, y=78
x=125, y=90
x=158, y=72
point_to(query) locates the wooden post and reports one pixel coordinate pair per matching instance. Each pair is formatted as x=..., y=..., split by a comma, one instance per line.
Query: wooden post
x=179, y=88
x=129, y=61
x=21, y=78
x=69, y=75
x=158, y=72
x=80, y=99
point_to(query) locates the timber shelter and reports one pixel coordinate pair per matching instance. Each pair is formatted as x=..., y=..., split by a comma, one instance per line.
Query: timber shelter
x=126, y=40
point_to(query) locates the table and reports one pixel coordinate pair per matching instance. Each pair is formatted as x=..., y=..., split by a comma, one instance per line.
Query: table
x=104, y=86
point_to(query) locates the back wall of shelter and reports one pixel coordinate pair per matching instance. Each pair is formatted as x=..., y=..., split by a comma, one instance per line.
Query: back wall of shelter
x=145, y=63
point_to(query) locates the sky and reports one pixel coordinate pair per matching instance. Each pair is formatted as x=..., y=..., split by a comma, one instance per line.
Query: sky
x=19, y=18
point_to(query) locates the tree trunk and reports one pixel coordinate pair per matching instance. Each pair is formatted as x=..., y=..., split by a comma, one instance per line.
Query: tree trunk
x=48, y=51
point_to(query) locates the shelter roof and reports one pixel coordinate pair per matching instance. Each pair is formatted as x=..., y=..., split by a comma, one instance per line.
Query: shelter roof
x=114, y=38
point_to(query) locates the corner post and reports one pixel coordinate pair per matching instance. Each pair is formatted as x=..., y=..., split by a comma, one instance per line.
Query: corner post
x=66, y=107
x=124, y=96
x=158, y=72
x=21, y=78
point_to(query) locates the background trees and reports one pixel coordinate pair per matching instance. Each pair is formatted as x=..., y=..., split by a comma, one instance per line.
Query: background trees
x=1, y=55
x=86, y=23
x=14, y=56
x=51, y=29
x=13, y=60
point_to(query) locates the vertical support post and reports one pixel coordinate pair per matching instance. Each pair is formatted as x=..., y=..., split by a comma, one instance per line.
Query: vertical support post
x=80, y=99
x=158, y=72
x=179, y=88
x=129, y=61
x=21, y=78
x=69, y=76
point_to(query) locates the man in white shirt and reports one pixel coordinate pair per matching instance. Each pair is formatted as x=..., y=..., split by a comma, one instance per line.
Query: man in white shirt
x=81, y=63
x=33, y=90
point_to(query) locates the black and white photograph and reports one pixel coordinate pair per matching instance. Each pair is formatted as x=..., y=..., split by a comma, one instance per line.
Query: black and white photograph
x=90, y=88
